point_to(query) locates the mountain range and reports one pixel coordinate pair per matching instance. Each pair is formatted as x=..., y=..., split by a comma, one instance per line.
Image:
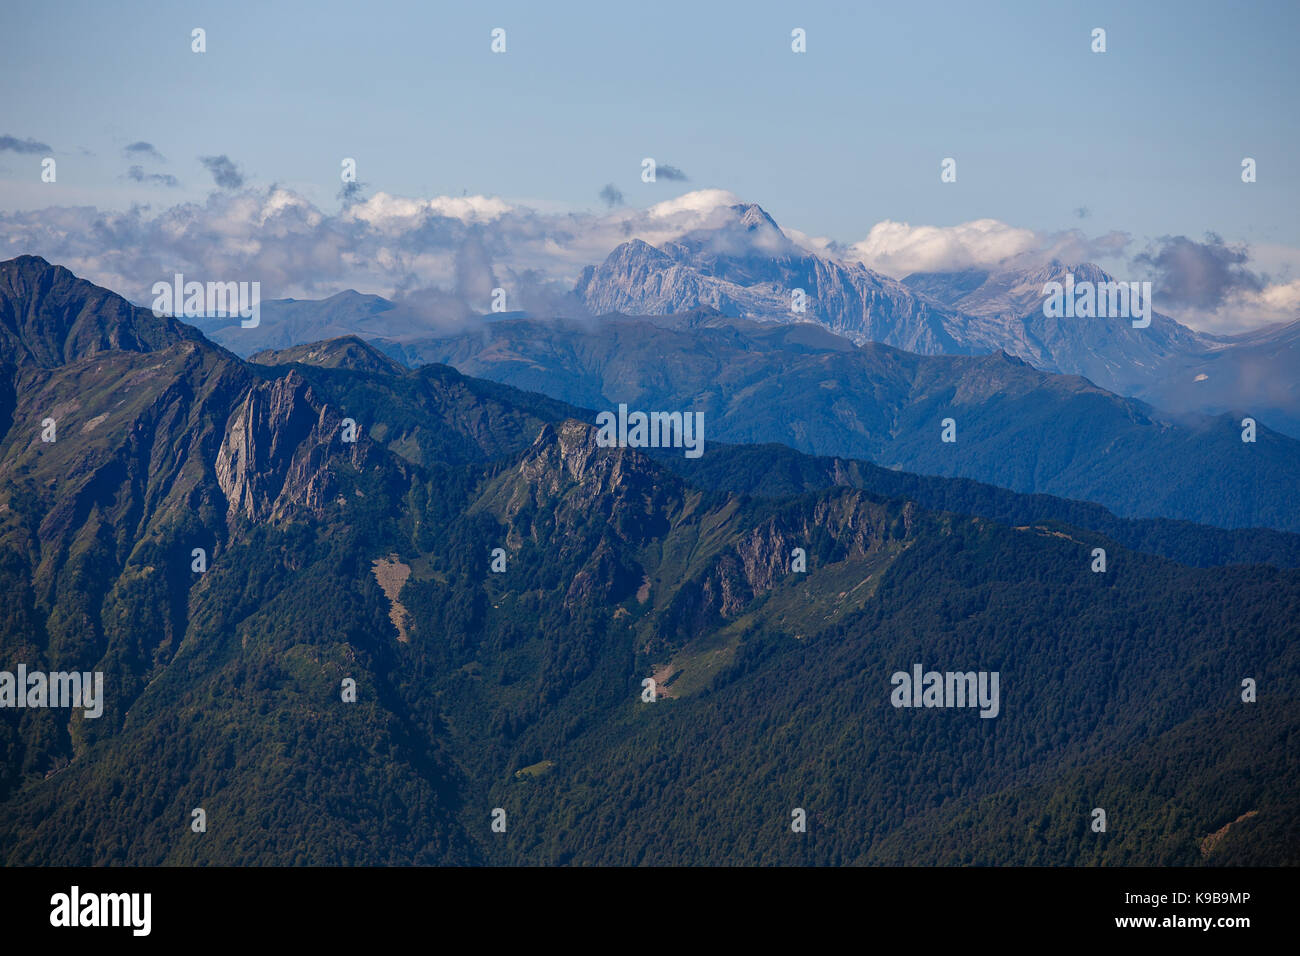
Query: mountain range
x=802, y=385
x=748, y=268
x=513, y=679
x=799, y=385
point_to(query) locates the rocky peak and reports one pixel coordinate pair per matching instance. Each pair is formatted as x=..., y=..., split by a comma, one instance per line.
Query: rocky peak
x=49, y=317
x=753, y=216
x=347, y=352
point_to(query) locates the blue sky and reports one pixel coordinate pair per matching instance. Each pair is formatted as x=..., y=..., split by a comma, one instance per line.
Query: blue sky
x=1146, y=139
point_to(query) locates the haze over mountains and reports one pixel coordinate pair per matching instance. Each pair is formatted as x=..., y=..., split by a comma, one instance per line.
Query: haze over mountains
x=521, y=689
x=1168, y=365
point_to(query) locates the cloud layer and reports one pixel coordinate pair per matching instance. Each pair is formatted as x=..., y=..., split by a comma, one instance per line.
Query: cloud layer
x=452, y=250
x=387, y=244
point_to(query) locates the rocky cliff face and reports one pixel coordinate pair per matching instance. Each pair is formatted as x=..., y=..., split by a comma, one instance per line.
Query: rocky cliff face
x=281, y=450
x=760, y=559
x=570, y=482
x=567, y=489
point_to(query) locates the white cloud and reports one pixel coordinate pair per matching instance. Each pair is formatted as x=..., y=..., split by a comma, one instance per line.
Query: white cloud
x=393, y=211
x=1281, y=299
x=1243, y=309
x=699, y=203
x=899, y=248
